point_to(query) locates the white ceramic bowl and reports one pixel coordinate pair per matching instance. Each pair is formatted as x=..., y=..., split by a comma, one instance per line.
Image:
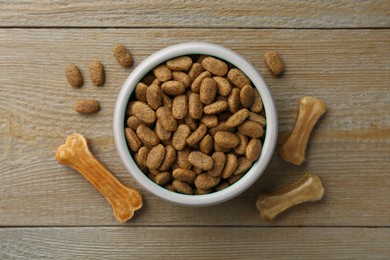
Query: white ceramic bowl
x=187, y=49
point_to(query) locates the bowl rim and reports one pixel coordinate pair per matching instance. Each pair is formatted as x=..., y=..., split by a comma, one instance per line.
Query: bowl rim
x=190, y=48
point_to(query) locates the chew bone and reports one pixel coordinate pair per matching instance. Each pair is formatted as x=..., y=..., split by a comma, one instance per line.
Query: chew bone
x=76, y=154
x=294, y=149
x=308, y=188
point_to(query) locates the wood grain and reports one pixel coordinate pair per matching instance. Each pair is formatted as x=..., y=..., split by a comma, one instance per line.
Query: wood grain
x=349, y=149
x=199, y=13
x=190, y=243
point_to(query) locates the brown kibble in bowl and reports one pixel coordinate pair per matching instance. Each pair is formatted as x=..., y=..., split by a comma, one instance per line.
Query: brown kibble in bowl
x=215, y=66
x=180, y=63
x=196, y=124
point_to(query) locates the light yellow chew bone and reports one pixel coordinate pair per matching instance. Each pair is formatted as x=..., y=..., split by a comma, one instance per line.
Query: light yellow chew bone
x=308, y=188
x=309, y=111
x=76, y=154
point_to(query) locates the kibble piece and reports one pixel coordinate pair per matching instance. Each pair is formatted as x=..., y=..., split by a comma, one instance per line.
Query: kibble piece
x=253, y=150
x=147, y=136
x=230, y=166
x=180, y=136
x=208, y=91
x=195, y=71
x=142, y=155
x=166, y=119
x=86, y=106
x=195, y=86
x=234, y=178
x=201, y=160
x=155, y=157
x=257, y=105
x=243, y=166
x=132, y=140
x=162, y=133
x=224, y=86
x=137, y=159
x=274, y=63
x=209, y=120
x=257, y=118
x=143, y=112
x=205, y=181
x=182, y=158
x=122, y=55
x=197, y=135
x=222, y=185
x=140, y=92
x=216, y=107
x=169, y=158
x=173, y=88
x=246, y=96
x=184, y=175
x=226, y=139
x=162, y=73
x=133, y=122
x=197, y=170
x=182, y=77
x=162, y=178
x=96, y=72
x=192, y=123
x=195, y=107
x=182, y=187
x=251, y=129
x=234, y=100
x=215, y=66
x=180, y=63
x=207, y=144
x=154, y=96
x=219, y=159
x=241, y=148
x=238, y=78
x=237, y=118
x=73, y=75
x=180, y=106
x=167, y=102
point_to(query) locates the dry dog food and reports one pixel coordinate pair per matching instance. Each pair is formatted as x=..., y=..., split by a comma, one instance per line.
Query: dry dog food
x=122, y=55
x=73, y=75
x=195, y=125
x=86, y=106
x=274, y=63
x=96, y=72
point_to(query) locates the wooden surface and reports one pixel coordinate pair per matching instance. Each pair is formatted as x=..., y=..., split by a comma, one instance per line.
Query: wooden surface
x=334, y=50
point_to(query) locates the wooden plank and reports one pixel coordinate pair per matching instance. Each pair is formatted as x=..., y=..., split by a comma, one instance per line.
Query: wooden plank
x=190, y=243
x=349, y=150
x=200, y=13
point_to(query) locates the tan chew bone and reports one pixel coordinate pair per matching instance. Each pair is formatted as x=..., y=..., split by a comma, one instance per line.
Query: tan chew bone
x=309, y=111
x=308, y=188
x=76, y=154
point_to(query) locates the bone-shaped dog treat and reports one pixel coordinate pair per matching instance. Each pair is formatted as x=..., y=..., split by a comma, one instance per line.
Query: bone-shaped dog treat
x=294, y=149
x=76, y=154
x=308, y=188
